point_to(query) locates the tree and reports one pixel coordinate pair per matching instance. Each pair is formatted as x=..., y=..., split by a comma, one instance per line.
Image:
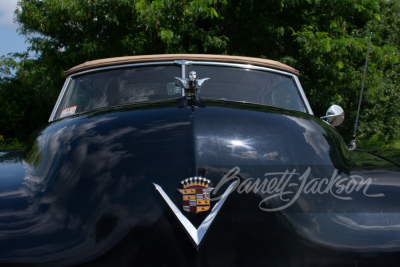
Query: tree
x=325, y=40
x=67, y=33
x=26, y=98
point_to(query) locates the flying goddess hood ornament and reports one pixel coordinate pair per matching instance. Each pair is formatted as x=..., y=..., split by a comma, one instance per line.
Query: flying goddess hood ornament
x=190, y=87
x=192, y=83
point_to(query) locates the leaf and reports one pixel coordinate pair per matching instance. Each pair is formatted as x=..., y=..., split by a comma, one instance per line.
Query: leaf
x=166, y=36
x=339, y=65
x=214, y=12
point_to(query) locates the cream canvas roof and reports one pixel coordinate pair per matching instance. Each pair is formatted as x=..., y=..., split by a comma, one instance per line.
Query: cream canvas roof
x=100, y=63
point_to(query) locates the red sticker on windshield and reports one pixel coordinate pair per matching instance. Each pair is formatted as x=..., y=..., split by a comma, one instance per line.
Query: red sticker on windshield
x=68, y=111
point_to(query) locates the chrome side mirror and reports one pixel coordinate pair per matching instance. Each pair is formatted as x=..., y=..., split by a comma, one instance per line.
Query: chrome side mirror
x=334, y=115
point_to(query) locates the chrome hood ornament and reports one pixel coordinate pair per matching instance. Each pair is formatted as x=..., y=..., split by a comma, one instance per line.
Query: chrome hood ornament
x=190, y=88
x=192, y=84
x=196, y=234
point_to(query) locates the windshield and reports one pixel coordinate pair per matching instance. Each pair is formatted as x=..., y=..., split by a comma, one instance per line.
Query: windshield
x=155, y=83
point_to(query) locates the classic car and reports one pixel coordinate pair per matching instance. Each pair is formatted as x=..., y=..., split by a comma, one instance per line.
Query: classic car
x=195, y=160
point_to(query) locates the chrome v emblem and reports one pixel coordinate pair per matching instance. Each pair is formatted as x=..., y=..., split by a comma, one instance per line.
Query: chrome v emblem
x=196, y=234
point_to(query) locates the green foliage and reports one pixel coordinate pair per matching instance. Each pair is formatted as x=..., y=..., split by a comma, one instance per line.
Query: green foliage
x=325, y=40
x=86, y=30
x=26, y=98
x=9, y=144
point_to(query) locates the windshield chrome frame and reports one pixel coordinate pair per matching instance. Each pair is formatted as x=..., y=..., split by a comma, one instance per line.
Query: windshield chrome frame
x=204, y=63
x=60, y=97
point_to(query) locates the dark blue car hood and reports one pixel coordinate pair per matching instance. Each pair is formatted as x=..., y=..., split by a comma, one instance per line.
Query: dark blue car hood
x=83, y=192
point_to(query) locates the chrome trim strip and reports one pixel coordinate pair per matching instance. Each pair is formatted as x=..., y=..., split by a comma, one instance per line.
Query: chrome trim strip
x=303, y=95
x=242, y=66
x=235, y=65
x=196, y=234
x=123, y=67
x=60, y=96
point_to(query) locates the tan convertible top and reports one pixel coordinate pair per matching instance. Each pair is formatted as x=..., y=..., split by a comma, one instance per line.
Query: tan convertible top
x=100, y=63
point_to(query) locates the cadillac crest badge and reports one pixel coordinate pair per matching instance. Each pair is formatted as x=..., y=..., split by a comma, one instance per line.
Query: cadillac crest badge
x=196, y=198
x=196, y=194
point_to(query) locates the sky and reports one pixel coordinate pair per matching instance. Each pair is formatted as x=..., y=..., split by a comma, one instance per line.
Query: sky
x=10, y=40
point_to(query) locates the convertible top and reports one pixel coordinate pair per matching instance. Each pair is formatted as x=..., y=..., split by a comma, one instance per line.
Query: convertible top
x=169, y=57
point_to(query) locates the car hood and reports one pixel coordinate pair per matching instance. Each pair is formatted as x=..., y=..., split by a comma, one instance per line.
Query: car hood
x=83, y=192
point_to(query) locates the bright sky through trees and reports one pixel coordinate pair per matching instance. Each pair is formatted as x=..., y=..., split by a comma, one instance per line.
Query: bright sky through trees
x=11, y=40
